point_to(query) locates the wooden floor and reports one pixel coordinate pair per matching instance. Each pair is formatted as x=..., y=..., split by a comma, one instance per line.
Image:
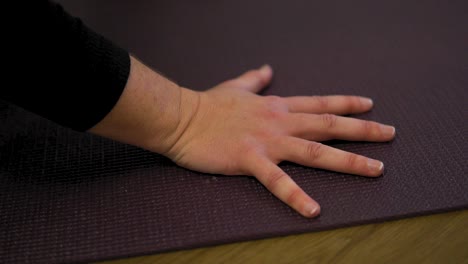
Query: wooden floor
x=440, y=238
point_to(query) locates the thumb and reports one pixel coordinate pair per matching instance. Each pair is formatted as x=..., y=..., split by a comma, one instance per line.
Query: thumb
x=253, y=80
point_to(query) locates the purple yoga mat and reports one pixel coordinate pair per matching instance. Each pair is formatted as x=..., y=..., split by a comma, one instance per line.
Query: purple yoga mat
x=72, y=197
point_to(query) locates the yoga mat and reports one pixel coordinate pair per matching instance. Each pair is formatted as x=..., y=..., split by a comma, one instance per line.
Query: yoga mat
x=73, y=197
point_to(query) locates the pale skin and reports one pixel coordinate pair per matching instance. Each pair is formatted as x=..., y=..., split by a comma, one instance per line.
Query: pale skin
x=231, y=130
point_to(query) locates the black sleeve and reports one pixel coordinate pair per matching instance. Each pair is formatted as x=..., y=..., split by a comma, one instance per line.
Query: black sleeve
x=59, y=68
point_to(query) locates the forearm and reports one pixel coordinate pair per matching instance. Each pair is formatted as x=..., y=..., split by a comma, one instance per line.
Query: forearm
x=151, y=112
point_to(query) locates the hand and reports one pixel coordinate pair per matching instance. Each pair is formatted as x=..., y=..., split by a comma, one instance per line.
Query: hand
x=231, y=130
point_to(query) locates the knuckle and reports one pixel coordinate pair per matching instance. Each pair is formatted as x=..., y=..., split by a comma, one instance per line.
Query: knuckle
x=274, y=179
x=255, y=76
x=351, y=160
x=313, y=150
x=249, y=149
x=329, y=120
x=273, y=99
x=248, y=77
x=323, y=102
x=271, y=114
x=355, y=103
x=368, y=127
x=293, y=196
x=274, y=108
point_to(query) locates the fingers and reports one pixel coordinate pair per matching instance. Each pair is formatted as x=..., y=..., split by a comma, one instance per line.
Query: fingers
x=254, y=80
x=283, y=187
x=313, y=154
x=335, y=104
x=327, y=126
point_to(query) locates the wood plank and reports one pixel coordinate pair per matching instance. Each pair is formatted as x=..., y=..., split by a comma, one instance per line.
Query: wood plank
x=440, y=238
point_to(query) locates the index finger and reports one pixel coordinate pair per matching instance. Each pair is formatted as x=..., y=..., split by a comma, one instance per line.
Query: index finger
x=284, y=188
x=332, y=104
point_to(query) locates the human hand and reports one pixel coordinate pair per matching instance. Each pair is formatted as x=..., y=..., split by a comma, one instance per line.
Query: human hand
x=230, y=130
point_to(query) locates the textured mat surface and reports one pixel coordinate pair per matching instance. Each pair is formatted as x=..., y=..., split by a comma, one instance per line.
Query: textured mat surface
x=71, y=197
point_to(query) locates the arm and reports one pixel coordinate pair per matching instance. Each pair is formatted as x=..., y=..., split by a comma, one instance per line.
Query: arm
x=231, y=130
x=59, y=68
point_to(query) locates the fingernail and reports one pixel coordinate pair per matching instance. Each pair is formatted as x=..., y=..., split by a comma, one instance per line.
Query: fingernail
x=366, y=101
x=387, y=131
x=312, y=210
x=374, y=165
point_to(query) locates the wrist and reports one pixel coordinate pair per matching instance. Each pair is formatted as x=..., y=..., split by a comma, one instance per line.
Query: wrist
x=175, y=122
x=151, y=111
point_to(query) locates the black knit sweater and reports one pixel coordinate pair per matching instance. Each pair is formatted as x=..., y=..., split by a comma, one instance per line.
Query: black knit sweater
x=59, y=68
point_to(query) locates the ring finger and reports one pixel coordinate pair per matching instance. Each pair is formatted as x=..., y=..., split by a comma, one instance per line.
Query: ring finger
x=317, y=155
